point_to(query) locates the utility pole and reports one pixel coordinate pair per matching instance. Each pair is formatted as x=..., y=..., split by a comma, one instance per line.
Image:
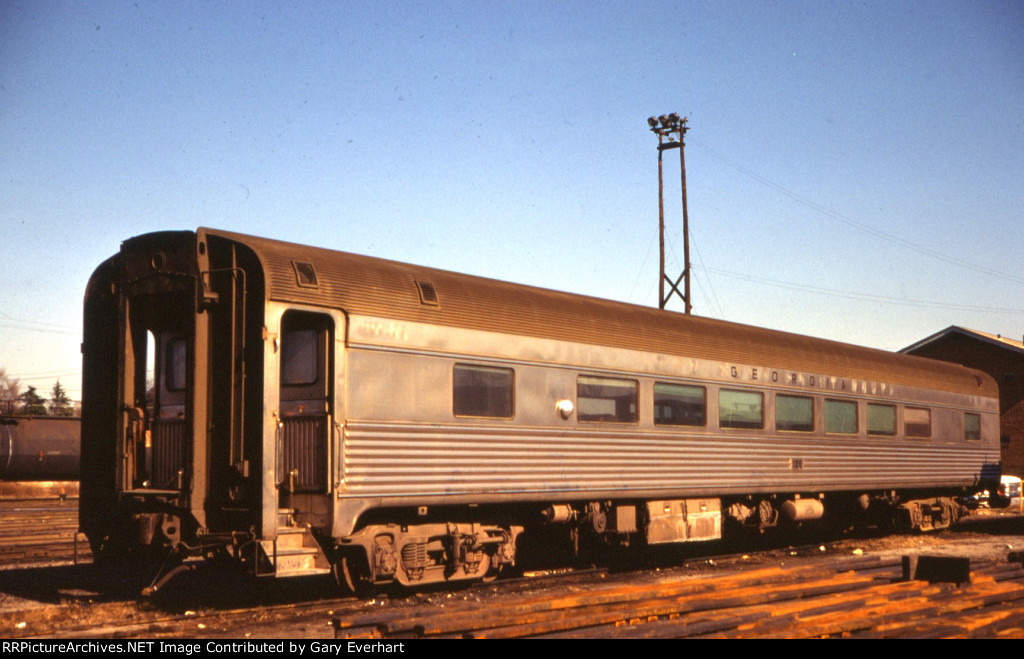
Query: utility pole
x=670, y=130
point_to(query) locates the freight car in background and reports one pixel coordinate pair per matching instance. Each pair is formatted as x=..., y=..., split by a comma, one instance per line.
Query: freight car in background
x=39, y=448
x=316, y=410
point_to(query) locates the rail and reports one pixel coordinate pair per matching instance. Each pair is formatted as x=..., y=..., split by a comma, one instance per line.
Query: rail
x=864, y=598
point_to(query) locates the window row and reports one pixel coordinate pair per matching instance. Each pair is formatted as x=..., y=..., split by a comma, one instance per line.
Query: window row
x=483, y=391
x=744, y=409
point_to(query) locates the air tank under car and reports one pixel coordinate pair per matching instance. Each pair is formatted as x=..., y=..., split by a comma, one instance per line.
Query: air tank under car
x=34, y=448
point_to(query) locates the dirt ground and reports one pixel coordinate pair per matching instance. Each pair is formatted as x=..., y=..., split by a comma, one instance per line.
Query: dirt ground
x=34, y=598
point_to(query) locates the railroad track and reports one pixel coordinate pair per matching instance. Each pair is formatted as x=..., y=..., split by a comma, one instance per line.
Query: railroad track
x=39, y=530
x=861, y=598
x=723, y=596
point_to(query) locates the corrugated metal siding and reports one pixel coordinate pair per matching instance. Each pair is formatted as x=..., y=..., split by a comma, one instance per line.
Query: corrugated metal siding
x=304, y=449
x=170, y=452
x=376, y=287
x=410, y=459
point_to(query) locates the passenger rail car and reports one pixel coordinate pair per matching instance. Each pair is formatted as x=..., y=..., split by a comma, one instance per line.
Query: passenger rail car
x=314, y=410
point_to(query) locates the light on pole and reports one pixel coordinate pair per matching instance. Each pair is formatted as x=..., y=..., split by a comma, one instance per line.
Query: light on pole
x=670, y=130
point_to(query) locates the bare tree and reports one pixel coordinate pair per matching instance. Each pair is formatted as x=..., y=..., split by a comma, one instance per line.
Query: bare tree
x=10, y=392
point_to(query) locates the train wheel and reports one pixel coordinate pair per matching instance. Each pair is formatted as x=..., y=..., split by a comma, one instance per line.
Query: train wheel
x=493, y=572
x=352, y=573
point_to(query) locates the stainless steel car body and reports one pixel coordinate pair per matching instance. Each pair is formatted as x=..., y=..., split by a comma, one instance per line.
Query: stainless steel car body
x=369, y=436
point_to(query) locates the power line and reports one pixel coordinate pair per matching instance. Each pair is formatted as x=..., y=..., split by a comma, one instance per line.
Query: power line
x=46, y=374
x=714, y=294
x=713, y=297
x=839, y=217
x=926, y=304
x=34, y=325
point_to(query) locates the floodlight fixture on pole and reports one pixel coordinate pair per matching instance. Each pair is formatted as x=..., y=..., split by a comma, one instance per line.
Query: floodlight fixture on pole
x=670, y=130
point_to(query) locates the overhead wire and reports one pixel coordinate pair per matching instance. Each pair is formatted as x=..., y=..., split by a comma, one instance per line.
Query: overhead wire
x=902, y=242
x=859, y=296
x=839, y=217
x=7, y=320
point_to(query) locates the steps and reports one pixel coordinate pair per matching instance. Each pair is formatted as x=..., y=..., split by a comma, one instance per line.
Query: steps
x=295, y=553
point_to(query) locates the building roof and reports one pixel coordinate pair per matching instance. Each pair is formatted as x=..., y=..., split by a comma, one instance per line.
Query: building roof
x=994, y=339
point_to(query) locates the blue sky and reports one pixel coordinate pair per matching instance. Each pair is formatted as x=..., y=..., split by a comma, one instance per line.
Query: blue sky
x=855, y=170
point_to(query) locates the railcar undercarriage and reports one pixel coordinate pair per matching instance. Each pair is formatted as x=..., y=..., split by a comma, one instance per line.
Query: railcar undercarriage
x=415, y=548
x=420, y=549
x=415, y=555
x=893, y=511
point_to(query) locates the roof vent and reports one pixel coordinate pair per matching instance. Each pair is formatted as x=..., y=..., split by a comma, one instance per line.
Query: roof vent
x=428, y=295
x=305, y=274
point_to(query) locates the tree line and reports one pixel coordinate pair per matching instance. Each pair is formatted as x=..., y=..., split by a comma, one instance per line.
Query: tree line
x=30, y=403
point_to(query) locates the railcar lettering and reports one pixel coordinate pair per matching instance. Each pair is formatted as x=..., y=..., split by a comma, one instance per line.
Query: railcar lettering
x=392, y=331
x=808, y=380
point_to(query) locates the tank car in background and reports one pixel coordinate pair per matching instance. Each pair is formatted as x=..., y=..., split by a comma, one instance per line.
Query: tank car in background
x=38, y=448
x=316, y=410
